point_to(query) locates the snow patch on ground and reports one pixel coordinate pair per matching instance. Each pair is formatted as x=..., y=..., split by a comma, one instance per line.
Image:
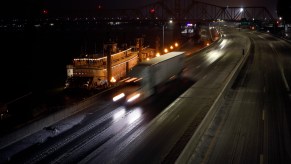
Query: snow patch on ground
x=40, y=136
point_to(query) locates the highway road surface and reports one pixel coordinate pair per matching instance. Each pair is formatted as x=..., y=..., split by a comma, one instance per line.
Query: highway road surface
x=253, y=125
x=154, y=131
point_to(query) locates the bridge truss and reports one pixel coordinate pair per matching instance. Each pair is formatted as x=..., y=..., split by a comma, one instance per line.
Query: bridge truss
x=188, y=10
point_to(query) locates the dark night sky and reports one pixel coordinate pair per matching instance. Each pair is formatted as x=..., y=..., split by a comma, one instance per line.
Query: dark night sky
x=270, y=4
x=22, y=7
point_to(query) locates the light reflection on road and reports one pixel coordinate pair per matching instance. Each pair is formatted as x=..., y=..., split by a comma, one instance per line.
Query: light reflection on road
x=213, y=55
x=119, y=113
x=134, y=115
x=223, y=43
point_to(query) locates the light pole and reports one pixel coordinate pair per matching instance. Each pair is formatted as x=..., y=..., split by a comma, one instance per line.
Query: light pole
x=170, y=21
x=241, y=11
x=163, y=37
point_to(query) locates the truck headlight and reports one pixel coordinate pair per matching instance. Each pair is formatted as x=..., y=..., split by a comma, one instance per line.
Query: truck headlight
x=133, y=97
x=118, y=97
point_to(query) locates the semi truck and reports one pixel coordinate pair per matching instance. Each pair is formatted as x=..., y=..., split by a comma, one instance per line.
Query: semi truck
x=148, y=75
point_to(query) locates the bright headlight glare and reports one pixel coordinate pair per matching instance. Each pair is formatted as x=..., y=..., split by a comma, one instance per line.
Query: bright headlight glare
x=133, y=97
x=118, y=97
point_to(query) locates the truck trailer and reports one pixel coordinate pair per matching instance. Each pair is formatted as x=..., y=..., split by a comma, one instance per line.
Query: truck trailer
x=148, y=75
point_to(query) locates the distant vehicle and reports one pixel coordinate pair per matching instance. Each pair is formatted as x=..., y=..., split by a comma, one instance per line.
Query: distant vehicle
x=149, y=75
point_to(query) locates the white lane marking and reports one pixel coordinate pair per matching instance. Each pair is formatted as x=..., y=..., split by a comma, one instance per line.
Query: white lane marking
x=261, y=158
x=261, y=37
x=281, y=70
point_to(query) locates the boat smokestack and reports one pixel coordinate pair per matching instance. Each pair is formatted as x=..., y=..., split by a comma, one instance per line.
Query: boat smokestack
x=109, y=49
x=139, y=46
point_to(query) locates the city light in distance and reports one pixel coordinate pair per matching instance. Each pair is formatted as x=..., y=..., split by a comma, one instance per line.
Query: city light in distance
x=166, y=50
x=112, y=80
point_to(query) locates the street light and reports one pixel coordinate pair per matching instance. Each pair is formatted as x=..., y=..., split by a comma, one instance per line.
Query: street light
x=241, y=10
x=163, y=36
x=166, y=50
x=170, y=21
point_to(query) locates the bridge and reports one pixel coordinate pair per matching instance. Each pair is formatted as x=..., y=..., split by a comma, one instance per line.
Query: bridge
x=187, y=10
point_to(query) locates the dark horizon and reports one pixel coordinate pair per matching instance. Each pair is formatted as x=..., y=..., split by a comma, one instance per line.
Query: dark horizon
x=55, y=8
